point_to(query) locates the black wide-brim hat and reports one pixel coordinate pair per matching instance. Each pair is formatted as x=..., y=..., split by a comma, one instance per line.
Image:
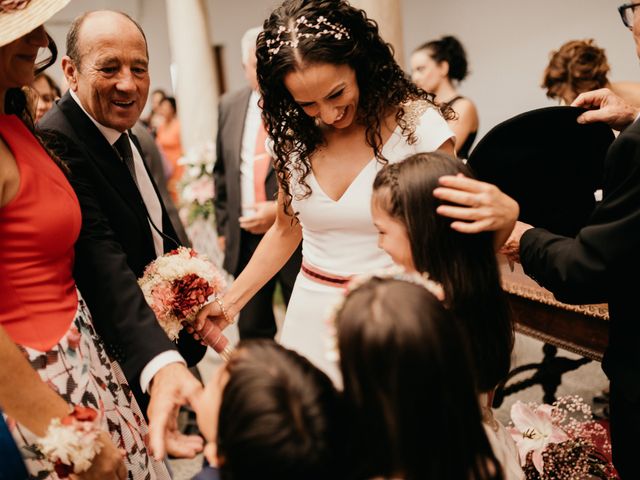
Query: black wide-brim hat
x=549, y=163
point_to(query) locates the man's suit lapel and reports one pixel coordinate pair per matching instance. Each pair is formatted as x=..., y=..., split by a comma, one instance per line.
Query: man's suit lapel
x=103, y=154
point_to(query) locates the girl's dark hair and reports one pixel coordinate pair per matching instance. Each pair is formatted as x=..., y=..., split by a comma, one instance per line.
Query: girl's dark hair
x=17, y=101
x=578, y=64
x=409, y=388
x=464, y=264
x=448, y=49
x=279, y=417
x=384, y=87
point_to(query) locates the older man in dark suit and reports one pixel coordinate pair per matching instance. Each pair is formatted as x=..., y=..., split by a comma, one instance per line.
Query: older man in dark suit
x=124, y=222
x=246, y=186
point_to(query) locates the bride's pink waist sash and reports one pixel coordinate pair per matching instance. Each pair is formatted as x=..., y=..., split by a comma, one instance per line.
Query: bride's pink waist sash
x=317, y=275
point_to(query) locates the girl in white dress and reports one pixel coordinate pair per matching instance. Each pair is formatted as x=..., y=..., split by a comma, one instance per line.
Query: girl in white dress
x=409, y=388
x=420, y=240
x=337, y=108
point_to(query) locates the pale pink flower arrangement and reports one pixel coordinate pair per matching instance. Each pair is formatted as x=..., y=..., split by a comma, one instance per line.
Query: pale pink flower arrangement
x=560, y=441
x=176, y=286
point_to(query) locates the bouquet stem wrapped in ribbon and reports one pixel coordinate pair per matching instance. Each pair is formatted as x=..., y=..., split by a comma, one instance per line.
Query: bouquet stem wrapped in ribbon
x=176, y=286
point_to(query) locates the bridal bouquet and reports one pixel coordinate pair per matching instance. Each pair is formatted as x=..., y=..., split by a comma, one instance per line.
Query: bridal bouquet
x=176, y=286
x=560, y=441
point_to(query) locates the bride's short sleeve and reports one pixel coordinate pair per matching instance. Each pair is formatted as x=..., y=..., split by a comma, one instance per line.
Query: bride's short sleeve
x=428, y=125
x=432, y=131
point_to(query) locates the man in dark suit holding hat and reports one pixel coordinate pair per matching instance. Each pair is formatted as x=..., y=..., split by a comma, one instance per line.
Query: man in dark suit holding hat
x=124, y=222
x=600, y=264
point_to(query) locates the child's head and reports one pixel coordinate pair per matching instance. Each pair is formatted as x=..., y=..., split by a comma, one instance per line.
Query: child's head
x=271, y=414
x=409, y=387
x=404, y=211
x=403, y=194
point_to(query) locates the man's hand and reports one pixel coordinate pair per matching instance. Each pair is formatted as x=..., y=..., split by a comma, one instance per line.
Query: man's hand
x=511, y=248
x=172, y=387
x=262, y=220
x=605, y=106
x=108, y=464
x=479, y=206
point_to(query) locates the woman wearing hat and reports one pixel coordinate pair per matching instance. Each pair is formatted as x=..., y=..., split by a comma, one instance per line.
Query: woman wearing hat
x=42, y=311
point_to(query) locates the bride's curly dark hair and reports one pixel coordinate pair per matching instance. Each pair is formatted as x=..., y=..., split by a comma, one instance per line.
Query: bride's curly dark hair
x=384, y=86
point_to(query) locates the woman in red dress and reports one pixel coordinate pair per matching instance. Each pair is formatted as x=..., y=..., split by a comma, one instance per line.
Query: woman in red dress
x=41, y=310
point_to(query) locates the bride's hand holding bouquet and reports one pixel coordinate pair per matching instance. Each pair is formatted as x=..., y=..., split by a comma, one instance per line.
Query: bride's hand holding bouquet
x=176, y=286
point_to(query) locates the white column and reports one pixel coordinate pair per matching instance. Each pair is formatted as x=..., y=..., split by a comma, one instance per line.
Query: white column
x=388, y=14
x=194, y=70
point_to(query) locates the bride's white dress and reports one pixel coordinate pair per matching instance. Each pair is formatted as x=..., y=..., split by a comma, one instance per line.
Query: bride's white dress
x=339, y=237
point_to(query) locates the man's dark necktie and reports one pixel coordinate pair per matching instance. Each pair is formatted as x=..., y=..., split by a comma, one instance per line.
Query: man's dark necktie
x=123, y=147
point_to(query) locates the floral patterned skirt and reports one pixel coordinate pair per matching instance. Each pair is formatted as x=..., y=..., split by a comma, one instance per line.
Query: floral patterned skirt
x=78, y=368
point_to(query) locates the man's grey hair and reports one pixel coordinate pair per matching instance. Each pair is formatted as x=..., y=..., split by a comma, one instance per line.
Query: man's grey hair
x=248, y=42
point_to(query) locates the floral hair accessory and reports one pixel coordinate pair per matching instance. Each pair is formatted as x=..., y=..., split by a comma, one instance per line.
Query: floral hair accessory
x=176, y=286
x=392, y=273
x=560, y=440
x=321, y=27
x=72, y=443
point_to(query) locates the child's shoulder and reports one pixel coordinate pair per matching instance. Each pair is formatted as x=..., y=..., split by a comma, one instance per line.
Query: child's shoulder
x=207, y=473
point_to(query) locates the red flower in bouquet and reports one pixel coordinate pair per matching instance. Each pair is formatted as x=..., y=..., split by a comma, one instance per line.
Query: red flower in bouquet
x=176, y=286
x=189, y=294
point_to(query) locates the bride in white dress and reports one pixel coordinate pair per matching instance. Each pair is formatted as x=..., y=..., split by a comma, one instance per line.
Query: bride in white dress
x=337, y=107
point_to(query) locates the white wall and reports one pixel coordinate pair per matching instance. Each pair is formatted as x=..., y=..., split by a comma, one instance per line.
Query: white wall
x=507, y=41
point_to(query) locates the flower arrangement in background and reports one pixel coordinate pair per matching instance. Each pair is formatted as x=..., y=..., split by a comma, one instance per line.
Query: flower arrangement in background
x=176, y=286
x=196, y=193
x=560, y=441
x=196, y=184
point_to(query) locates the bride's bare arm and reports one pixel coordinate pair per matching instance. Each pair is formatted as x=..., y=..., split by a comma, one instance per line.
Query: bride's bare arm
x=276, y=247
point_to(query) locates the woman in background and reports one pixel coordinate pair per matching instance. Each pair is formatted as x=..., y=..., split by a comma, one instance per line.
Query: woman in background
x=581, y=66
x=168, y=138
x=437, y=67
x=48, y=92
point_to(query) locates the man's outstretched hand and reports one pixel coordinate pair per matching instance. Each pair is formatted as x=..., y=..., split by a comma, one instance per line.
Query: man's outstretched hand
x=172, y=387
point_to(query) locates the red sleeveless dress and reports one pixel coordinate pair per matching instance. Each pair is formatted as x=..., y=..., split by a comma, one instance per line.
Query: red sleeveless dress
x=38, y=229
x=44, y=314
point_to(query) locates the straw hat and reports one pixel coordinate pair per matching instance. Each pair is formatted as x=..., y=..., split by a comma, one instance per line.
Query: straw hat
x=19, y=17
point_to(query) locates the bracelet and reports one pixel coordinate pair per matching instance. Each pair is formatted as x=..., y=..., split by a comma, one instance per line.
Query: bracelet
x=71, y=443
x=225, y=314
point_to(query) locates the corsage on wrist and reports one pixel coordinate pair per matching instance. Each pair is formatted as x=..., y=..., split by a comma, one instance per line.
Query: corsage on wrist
x=71, y=443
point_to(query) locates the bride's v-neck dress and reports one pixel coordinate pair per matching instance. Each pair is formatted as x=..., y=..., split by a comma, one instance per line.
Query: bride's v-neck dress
x=338, y=237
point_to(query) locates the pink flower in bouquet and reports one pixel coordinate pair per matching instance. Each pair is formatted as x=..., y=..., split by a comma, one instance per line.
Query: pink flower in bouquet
x=533, y=430
x=176, y=285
